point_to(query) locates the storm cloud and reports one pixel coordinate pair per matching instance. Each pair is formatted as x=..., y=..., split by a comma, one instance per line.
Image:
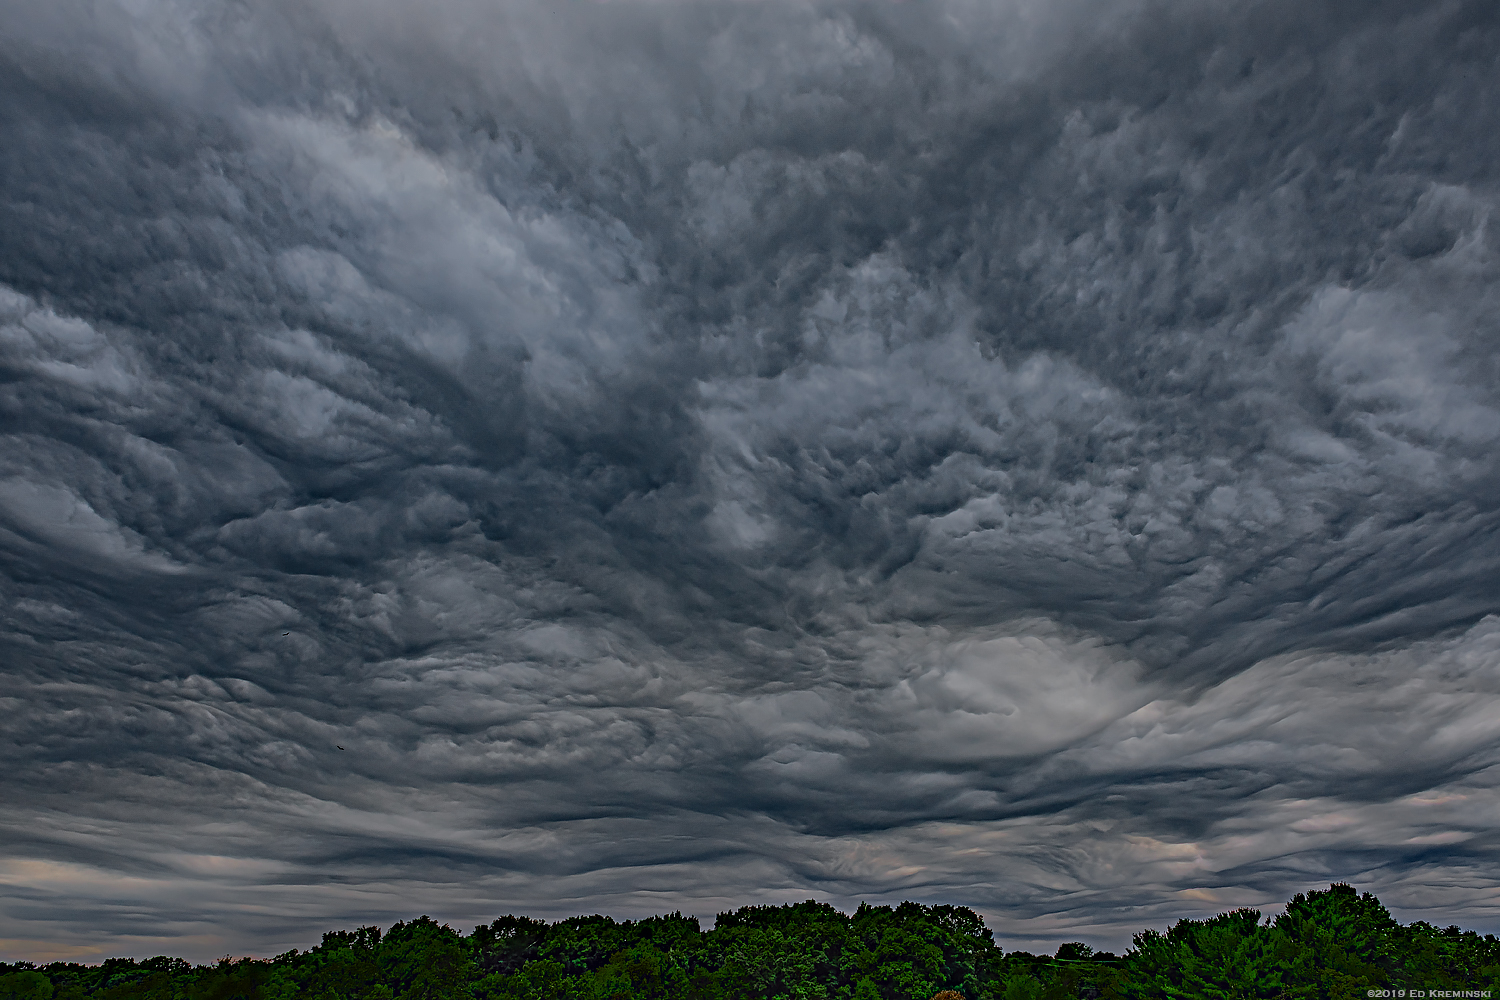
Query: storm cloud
x=1034, y=456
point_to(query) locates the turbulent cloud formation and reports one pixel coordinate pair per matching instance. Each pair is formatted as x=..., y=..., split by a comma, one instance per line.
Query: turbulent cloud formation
x=1036, y=456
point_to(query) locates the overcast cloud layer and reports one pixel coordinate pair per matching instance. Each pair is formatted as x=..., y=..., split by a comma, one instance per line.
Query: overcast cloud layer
x=1036, y=456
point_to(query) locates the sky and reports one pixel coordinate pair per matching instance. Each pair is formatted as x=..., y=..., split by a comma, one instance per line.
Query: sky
x=468, y=457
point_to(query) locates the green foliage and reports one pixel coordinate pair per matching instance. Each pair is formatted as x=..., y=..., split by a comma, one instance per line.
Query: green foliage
x=1022, y=987
x=1328, y=945
x=1340, y=942
x=1228, y=956
x=343, y=967
x=539, y=980
x=583, y=944
x=1447, y=959
x=25, y=985
x=423, y=960
x=641, y=972
x=507, y=944
x=243, y=980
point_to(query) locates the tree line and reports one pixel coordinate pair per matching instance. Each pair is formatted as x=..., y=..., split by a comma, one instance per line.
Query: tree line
x=1329, y=945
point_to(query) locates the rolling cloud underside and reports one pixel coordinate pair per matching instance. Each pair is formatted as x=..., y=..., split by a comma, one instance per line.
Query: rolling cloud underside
x=1032, y=456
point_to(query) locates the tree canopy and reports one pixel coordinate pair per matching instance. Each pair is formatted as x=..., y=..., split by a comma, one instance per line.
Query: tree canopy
x=1328, y=945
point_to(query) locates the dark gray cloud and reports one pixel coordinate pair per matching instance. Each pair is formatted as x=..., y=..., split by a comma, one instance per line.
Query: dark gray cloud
x=1034, y=456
